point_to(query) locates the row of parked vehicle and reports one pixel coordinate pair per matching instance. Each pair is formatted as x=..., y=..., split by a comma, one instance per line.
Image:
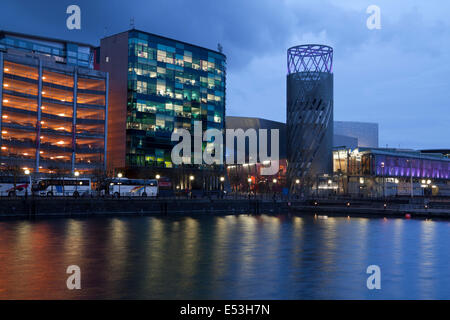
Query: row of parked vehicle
x=13, y=186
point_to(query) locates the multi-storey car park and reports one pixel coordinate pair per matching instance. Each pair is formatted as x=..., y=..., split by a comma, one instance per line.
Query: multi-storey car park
x=53, y=109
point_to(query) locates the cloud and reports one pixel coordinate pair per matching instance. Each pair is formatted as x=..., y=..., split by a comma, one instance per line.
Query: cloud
x=397, y=76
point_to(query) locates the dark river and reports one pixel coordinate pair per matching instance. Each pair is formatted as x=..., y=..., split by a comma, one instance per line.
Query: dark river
x=230, y=257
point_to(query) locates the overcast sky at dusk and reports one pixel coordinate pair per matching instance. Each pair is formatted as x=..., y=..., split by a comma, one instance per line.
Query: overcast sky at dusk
x=398, y=76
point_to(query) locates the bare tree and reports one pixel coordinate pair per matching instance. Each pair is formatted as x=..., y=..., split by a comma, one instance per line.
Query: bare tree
x=13, y=169
x=100, y=176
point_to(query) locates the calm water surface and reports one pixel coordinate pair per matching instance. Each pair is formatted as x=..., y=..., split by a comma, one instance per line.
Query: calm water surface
x=231, y=257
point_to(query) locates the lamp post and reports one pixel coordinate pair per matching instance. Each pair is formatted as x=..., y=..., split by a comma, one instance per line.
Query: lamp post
x=191, y=181
x=274, y=182
x=27, y=172
x=382, y=177
x=222, y=187
x=76, y=174
x=119, y=175
x=157, y=177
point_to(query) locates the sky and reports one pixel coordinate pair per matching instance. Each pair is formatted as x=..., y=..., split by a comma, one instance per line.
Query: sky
x=397, y=76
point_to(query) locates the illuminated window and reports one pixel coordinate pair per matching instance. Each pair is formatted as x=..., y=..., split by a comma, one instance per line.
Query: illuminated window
x=141, y=87
x=160, y=123
x=169, y=106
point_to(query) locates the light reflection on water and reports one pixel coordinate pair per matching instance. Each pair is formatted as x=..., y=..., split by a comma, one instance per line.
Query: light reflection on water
x=229, y=257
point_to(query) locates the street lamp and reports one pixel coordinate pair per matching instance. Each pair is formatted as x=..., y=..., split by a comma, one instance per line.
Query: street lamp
x=382, y=175
x=191, y=179
x=249, y=180
x=27, y=172
x=274, y=187
x=119, y=175
x=76, y=174
x=157, y=177
x=297, y=182
x=221, y=187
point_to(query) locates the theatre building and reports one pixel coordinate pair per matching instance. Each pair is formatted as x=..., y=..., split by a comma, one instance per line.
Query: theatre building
x=53, y=105
x=387, y=172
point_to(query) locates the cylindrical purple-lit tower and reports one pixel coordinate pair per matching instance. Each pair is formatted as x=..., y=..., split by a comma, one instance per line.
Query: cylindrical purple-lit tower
x=309, y=115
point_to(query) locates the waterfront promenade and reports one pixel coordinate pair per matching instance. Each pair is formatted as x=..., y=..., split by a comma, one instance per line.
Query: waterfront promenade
x=86, y=206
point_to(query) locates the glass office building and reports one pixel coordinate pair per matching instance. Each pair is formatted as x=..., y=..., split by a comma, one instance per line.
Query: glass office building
x=53, y=114
x=158, y=85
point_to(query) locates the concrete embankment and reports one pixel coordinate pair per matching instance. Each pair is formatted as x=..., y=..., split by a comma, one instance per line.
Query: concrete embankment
x=44, y=207
x=373, y=212
x=421, y=208
x=66, y=207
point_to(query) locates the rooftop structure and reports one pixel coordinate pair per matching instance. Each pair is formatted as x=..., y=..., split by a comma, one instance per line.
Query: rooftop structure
x=57, y=50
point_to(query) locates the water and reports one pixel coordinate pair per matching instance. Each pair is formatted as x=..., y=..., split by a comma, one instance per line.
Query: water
x=231, y=257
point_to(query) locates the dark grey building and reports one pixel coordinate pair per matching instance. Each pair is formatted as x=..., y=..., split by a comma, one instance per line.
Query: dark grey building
x=309, y=116
x=246, y=123
x=351, y=139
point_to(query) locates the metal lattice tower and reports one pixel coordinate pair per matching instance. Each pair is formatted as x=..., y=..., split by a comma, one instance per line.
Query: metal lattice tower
x=309, y=115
